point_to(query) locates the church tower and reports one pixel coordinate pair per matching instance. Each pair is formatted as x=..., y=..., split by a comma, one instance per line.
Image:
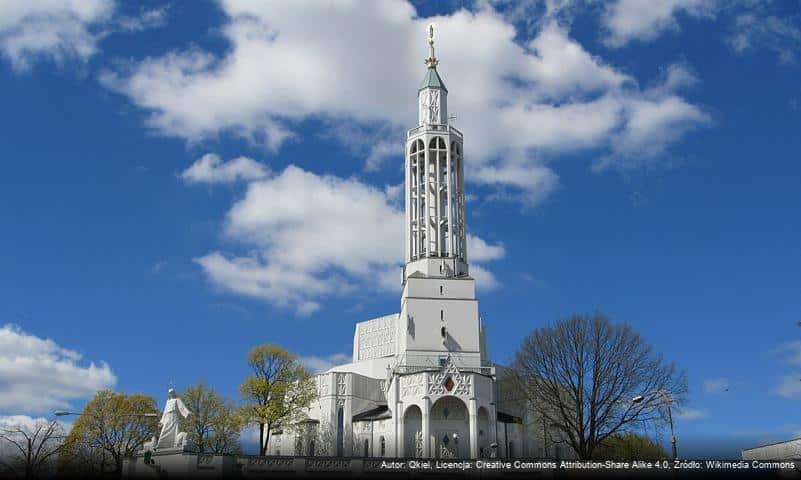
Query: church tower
x=438, y=304
x=435, y=219
x=420, y=383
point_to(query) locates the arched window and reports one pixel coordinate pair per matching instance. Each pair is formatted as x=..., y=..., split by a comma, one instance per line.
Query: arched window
x=437, y=142
x=367, y=448
x=383, y=444
x=511, y=450
x=311, y=448
x=416, y=199
x=457, y=201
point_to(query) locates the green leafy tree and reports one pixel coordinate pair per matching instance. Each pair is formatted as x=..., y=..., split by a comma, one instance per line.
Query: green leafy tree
x=215, y=424
x=629, y=446
x=111, y=427
x=278, y=391
x=582, y=374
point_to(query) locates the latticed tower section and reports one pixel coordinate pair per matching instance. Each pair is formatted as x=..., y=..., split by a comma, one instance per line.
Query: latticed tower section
x=435, y=214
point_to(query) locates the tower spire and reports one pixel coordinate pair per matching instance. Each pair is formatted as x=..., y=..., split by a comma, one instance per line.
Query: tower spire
x=431, y=61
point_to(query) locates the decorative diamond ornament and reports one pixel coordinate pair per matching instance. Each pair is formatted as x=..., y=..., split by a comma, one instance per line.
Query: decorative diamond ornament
x=449, y=384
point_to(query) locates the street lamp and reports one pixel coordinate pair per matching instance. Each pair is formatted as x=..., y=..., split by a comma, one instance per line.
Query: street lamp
x=146, y=415
x=667, y=400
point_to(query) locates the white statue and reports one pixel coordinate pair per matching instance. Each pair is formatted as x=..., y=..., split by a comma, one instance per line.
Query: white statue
x=170, y=437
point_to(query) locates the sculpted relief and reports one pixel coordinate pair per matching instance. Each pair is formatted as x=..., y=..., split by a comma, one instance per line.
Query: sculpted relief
x=377, y=338
x=411, y=386
x=450, y=381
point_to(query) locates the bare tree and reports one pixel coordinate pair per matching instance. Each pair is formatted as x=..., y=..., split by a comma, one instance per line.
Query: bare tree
x=582, y=374
x=31, y=449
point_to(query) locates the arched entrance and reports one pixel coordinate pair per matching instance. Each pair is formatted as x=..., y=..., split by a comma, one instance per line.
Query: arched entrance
x=450, y=428
x=413, y=433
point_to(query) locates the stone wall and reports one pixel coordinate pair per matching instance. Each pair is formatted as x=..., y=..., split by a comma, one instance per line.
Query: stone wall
x=789, y=450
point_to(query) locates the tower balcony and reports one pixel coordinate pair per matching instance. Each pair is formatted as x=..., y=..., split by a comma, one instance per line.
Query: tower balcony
x=434, y=128
x=415, y=362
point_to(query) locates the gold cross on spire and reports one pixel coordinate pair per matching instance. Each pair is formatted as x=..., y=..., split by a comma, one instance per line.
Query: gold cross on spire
x=431, y=61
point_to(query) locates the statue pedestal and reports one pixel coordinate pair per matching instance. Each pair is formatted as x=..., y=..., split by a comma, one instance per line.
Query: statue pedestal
x=179, y=463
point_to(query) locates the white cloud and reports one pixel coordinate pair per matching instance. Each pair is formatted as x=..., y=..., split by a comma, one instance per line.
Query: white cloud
x=38, y=375
x=756, y=29
x=154, y=18
x=211, y=169
x=481, y=251
x=28, y=423
x=791, y=351
x=57, y=29
x=716, y=385
x=517, y=104
x=789, y=386
x=311, y=236
x=321, y=364
x=653, y=120
x=645, y=20
x=537, y=181
x=691, y=413
x=485, y=279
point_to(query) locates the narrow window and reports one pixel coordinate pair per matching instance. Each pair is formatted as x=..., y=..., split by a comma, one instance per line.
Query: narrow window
x=442, y=314
x=441, y=290
x=383, y=446
x=340, y=433
x=367, y=448
x=442, y=332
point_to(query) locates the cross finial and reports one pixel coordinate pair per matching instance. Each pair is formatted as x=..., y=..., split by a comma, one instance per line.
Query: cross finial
x=431, y=61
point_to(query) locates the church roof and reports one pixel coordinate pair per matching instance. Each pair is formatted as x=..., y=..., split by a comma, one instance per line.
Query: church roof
x=377, y=413
x=432, y=79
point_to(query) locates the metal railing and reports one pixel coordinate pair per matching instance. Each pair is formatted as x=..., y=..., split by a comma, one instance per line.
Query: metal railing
x=409, y=369
x=409, y=364
x=434, y=128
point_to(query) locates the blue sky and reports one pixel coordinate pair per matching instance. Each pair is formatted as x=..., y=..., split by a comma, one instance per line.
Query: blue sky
x=182, y=181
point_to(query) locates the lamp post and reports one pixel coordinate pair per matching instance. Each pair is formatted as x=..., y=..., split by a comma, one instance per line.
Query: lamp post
x=146, y=415
x=667, y=400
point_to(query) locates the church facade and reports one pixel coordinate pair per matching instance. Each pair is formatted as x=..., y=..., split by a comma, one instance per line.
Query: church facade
x=420, y=383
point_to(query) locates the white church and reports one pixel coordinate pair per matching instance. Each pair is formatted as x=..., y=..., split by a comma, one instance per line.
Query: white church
x=420, y=383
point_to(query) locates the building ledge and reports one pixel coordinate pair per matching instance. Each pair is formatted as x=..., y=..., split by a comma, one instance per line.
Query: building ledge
x=379, y=413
